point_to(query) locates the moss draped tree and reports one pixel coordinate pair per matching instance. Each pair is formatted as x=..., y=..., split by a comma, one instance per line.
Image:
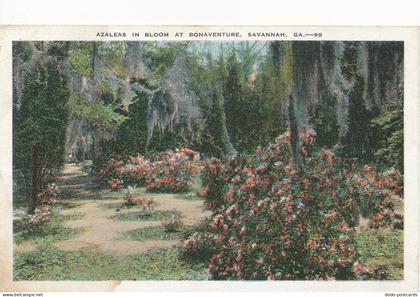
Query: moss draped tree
x=41, y=122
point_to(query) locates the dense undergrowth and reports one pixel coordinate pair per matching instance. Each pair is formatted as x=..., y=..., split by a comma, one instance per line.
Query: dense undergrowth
x=170, y=171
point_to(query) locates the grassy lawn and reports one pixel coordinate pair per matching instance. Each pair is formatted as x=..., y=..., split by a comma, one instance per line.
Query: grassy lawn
x=148, y=216
x=49, y=232
x=194, y=191
x=188, y=196
x=383, y=249
x=378, y=248
x=53, y=264
x=50, y=263
x=114, y=205
x=157, y=232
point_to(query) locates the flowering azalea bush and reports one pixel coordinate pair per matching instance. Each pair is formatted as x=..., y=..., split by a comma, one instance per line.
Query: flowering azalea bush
x=115, y=184
x=48, y=195
x=133, y=198
x=365, y=273
x=185, y=153
x=378, y=195
x=172, y=224
x=192, y=155
x=111, y=169
x=348, y=189
x=166, y=172
x=135, y=170
x=42, y=214
x=171, y=172
x=200, y=246
x=273, y=219
x=120, y=170
x=215, y=178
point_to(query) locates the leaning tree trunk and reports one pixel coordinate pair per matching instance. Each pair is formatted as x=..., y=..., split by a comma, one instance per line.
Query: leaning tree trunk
x=311, y=86
x=316, y=77
x=95, y=93
x=34, y=180
x=305, y=90
x=229, y=149
x=294, y=135
x=97, y=146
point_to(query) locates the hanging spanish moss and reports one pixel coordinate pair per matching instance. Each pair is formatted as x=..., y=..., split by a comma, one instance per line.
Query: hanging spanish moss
x=180, y=81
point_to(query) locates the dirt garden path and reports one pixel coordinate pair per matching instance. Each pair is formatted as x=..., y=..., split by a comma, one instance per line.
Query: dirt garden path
x=99, y=231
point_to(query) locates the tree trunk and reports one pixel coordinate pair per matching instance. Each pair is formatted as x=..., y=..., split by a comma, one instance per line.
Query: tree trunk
x=95, y=97
x=98, y=158
x=229, y=150
x=305, y=91
x=313, y=68
x=294, y=136
x=34, y=180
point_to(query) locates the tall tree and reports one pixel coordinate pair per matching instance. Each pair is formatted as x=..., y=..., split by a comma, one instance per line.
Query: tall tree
x=41, y=120
x=356, y=141
x=233, y=97
x=389, y=149
x=325, y=123
x=97, y=72
x=359, y=139
x=209, y=76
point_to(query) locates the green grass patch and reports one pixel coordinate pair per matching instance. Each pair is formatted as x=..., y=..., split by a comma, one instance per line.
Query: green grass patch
x=399, y=206
x=150, y=233
x=196, y=184
x=73, y=217
x=188, y=196
x=65, y=205
x=53, y=264
x=89, y=191
x=106, y=193
x=383, y=249
x=114, y=205
x=118, y=205
x=193, y=194
x=49, y=232
x=146, y=216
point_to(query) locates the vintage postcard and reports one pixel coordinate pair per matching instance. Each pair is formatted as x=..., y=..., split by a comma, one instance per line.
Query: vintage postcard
x=191, y=158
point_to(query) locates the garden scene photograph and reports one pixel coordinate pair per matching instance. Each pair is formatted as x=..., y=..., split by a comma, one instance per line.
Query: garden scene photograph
x=208, y=160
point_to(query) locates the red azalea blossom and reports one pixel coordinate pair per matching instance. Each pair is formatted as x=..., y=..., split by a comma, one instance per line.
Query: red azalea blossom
x=294, y=223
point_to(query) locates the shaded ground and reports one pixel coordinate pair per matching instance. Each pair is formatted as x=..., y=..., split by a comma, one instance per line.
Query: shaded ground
x=94, y=214
x=54, y=264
